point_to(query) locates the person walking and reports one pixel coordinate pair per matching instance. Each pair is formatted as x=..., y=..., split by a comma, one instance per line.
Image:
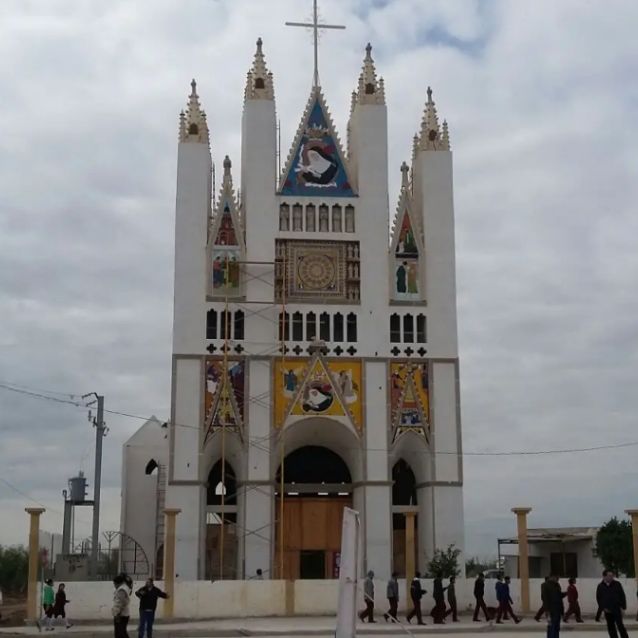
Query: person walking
x=392, y=593
x=611, y=598
x=438, y=593
x=451, y=599
x=416, y=593
x=368, y=596
x=60, y=603
x=48, y=600
x=572, y=602
x=479, y=597
x=148, y=595
x=504, y=601
x=541, y=610
x=121, y=605
x=552, y=598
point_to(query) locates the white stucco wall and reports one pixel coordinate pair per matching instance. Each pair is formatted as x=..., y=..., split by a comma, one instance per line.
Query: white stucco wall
x=228, y=599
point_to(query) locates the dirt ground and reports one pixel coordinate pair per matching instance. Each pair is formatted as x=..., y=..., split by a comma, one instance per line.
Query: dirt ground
x=13, y=611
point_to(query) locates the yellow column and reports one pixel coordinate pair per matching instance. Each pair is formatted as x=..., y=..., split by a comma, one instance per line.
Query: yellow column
x=34, y=552
x=169, y=560
x=523, y=554
x=634, y=536
x=410, y=558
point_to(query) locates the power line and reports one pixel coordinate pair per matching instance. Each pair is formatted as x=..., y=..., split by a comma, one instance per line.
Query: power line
x=594, y=448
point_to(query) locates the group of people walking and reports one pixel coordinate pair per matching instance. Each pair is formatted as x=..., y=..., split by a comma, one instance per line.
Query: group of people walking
x=439, y=612
x=53, y=606
x=610, y=597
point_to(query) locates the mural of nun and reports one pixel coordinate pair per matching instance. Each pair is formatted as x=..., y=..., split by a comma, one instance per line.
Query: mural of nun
x=316, y=165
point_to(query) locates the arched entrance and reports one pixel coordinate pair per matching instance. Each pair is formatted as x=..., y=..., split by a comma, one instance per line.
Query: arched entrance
x=221, y=523
x=317, y=486
x=404, y=504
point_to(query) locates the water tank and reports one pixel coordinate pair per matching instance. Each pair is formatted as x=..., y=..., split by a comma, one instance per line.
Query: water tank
x=77, y=488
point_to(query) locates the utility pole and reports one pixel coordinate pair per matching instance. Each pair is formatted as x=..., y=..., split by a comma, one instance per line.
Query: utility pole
x=100, y=433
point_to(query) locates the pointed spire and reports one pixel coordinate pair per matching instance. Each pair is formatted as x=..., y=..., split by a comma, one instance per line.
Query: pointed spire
x=430, y=130
x=445, y=137
x=370, y=90
x=192, y=124
x=415, y=150
x=259, y=84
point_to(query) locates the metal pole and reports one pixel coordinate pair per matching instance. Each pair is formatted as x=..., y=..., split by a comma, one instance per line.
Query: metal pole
x=99, y=435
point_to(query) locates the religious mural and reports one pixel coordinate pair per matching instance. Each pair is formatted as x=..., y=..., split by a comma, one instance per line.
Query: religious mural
x=226, y=270
x=406, y=263
x=409, y=398
x=318, y=386
x=226, y=235
x=317, y=168
x=224, y=394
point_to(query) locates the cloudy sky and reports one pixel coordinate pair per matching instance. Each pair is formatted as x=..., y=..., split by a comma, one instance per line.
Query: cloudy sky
x=542, y=101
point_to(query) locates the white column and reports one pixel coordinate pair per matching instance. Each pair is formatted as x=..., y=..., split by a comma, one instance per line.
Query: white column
x=378, y=491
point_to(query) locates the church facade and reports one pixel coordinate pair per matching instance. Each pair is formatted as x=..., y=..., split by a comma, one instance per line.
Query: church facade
x=315, y=359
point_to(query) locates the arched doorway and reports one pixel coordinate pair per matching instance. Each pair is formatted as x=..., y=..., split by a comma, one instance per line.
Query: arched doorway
x=317, y=486
x=221, y=522
x=404, y=504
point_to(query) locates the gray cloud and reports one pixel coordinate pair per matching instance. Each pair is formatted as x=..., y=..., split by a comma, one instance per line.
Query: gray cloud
x=539, y=96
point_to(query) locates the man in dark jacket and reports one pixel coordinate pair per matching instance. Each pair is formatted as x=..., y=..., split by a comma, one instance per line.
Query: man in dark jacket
x=479, y=596
x=552, y=598
x=610, y=596
x=504, y=601
x=393, y=598
x=451, y=599
x=148, y=596
x=438, y=593
x=416, y=593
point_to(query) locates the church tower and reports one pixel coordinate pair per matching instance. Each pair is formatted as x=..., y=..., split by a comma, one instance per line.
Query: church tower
x=315, y=358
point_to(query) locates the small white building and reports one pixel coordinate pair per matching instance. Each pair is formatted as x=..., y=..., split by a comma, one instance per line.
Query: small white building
x=564, y=551
x=144, y=470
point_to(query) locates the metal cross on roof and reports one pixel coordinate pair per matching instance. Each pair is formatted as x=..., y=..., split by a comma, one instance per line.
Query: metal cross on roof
x=315, y=25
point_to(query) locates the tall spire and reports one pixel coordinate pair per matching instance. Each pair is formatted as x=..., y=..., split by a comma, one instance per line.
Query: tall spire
x=193, y=126
x=432, y=138
x=259, y=84
x=370, y=90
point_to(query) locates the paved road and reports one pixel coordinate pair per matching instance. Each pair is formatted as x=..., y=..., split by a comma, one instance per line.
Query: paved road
x=304, y=627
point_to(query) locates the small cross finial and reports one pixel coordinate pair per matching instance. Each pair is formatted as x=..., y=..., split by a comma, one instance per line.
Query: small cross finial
x=315, y=25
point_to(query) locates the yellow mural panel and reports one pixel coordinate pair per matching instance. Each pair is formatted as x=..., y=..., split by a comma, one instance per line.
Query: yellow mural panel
x=318, y=386
x=409, y=396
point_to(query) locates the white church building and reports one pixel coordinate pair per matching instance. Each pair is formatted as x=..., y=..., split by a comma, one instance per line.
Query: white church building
x=315, y=358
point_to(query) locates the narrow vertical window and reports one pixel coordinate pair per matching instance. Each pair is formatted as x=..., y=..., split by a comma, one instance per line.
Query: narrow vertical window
x=349, y=218
x=311, y=326
x=352, y=327
x=323, y=219
x=224, y=328
x=284, y=329
x=324, y=326
x=336, y=218
x=408, y=328
x=421, y=334
x=337, y=327
x=297, y=214
x=284, y=217
x=238, y=325
x=297, y=326
x=395, y=328
x=211, y=324
x=310, y=218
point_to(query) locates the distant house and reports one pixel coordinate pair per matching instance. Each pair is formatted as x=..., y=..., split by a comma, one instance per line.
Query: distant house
x=564, y=551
